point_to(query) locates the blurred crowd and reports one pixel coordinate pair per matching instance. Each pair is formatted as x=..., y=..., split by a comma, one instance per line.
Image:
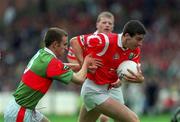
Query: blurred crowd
x=23, y=23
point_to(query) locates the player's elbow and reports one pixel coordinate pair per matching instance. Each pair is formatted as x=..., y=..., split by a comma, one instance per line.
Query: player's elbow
x=73, y=41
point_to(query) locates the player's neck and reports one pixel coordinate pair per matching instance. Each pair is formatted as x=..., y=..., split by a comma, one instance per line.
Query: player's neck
x=124, y=43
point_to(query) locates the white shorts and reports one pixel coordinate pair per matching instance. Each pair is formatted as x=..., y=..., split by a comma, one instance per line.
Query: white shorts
x=11, y=112
x=93, y=94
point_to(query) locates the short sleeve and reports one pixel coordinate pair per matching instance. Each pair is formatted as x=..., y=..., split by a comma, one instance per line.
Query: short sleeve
x=58, y=71
x=81, y=40
x=71, y=54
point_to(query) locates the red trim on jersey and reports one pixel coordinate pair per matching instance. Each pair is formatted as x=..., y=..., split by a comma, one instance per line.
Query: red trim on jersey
x=71, y=49
x=36, y=82
x=21, y=113
x=80, y=42
x=71, y=57
x=71, y=54
x=55, y=68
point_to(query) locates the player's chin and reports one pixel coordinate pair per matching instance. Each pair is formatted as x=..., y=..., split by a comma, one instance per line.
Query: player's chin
x=107, y=31
x=132, y=48
x=139, y=45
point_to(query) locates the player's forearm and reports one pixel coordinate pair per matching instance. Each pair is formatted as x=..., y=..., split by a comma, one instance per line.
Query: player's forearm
x=140, y=79
x=80, y=76
x=74, y=65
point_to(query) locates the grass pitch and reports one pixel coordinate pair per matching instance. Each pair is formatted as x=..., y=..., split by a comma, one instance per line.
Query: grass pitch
x=155, y=118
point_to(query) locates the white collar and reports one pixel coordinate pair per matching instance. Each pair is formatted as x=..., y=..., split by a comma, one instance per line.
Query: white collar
x=96, y=32
x=120, y=41
x=49, y=51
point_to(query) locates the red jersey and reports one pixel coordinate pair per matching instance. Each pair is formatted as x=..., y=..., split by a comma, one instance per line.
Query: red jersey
x=109, y=49
x=70, y=53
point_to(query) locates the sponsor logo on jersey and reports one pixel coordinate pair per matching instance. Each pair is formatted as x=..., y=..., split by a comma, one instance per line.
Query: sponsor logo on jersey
x=131, y=56
x=66, y=67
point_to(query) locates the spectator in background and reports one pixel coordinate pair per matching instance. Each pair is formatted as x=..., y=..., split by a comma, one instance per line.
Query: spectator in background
x=151, y=94
x=9, y=14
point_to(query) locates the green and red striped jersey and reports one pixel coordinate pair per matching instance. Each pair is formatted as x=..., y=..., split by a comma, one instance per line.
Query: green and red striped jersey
x=43, y=68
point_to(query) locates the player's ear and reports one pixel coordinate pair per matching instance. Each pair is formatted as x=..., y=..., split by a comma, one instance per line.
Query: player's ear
x=55, y=44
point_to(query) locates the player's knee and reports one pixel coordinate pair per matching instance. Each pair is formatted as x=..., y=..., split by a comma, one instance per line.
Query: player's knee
x=132, y=117
x=135, y=118
x=104, y=118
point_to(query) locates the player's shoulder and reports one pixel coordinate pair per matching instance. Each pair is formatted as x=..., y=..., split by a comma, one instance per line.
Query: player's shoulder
x=112, y=35
x=73, y=38
x=85, y=35
x=45, y=56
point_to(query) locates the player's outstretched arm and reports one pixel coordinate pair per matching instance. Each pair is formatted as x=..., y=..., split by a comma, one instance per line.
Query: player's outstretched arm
x=73, y=64
x=80, y=76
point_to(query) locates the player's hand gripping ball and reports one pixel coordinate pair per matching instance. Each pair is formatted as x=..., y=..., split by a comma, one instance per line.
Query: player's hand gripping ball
x=122, y=69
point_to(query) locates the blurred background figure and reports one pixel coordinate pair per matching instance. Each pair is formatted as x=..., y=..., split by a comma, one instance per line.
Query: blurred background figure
x=151, y=93
x=176, y=115
x=22, y=21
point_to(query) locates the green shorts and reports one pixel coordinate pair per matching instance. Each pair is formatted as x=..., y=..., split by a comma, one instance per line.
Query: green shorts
x=93, y=94
x=14, y=111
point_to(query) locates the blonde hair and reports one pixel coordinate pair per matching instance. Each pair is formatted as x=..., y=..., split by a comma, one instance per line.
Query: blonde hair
x=105, y=14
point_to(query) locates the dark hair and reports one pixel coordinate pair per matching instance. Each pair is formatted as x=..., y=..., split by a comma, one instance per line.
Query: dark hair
x=54, y=34
x=134, y=27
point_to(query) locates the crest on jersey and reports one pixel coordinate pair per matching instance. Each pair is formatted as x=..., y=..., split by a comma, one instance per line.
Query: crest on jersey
x=131, y=56
x=66, y=67
x=116, y=56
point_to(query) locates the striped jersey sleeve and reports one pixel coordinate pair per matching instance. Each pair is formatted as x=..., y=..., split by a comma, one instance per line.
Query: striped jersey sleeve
x=58, y=71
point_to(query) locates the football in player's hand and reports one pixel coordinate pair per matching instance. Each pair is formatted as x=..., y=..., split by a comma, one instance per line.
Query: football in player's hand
x=122, y=68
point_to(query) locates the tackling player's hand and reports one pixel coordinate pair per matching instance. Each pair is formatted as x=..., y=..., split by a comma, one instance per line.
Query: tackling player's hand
x=92, y=63
x=135, y=77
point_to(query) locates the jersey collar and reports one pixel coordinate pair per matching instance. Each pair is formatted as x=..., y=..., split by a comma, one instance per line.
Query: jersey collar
x=120, y=41
x=96, y=32
x=49, y=51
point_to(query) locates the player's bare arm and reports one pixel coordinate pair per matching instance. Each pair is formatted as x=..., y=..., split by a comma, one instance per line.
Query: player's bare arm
x=80, y=76
x=73, y=64
x=78, y=51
